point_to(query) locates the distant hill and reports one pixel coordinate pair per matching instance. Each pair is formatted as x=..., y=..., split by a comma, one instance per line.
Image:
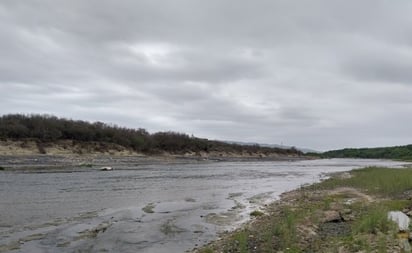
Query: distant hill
x=396, y=152
x=304, y=150
x=45, y=130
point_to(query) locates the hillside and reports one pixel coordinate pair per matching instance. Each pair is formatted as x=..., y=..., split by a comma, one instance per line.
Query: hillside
x=397, y=152
x=30, y=134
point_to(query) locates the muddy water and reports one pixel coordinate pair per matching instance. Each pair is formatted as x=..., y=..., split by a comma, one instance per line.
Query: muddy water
x=144, y=208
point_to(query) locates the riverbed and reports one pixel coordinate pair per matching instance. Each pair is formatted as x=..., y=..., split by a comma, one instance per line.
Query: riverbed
x=164, y=207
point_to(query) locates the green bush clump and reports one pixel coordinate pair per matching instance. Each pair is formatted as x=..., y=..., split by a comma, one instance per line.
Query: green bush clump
x=256, y=213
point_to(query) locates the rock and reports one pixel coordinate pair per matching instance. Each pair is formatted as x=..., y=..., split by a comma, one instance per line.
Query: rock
x=348, y=217
x=335, y=206
x=345, y=175
x=341, y=249
x=347, y=214
x=334, y=229
x=349, y=201
x=403, y=235
x=405, y=245
x=331, y=216
x=307, y=231
x=399, y=218
x=408, y=194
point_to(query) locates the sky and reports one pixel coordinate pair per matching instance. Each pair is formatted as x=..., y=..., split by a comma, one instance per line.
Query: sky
x=320, y=74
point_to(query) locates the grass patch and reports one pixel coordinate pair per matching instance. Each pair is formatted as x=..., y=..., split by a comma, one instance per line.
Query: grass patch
x=241, y=241
x=386, y=182
x=284, y=229
x=206, y=250
x=149, y=208
x=256, y=213
x=190, y=200
x=169, y=228
x=238, y=242
x=2, y=168
x=373, y=220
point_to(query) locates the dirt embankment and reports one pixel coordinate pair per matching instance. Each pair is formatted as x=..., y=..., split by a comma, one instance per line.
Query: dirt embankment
x=70, y=148
x=32, y=147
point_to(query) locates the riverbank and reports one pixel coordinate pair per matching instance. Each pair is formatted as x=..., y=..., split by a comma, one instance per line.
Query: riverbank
x=93, y=161
x=346, y=213
x=61, y=153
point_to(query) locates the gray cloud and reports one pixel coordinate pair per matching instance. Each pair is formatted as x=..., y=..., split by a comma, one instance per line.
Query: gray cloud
x=382, y=67
x=320, y=74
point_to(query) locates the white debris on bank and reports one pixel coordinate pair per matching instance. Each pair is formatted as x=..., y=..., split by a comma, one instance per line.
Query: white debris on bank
x=399, y=218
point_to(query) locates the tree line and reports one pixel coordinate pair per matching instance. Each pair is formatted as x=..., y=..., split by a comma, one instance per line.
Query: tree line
x=49, y=128
x=397, y=152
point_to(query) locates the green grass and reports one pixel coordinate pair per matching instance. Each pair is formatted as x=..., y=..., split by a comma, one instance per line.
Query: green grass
x=206, y=250
x=241, y=241
x=2, y=168
x=149, y=208
x=373, y=220
x=256, y=213
x=169, y=228
x=285, y=229
x=279, y=232
x=386, y=182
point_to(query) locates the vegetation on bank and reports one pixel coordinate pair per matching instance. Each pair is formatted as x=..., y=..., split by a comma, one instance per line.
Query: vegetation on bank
x=343, y=214
x=49, y=129
x=397, y=153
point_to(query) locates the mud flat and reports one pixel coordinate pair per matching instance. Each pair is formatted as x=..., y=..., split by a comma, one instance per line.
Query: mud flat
x=124, y=161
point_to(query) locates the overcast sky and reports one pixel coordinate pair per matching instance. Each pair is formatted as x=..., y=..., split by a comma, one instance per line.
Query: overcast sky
x=317, y=74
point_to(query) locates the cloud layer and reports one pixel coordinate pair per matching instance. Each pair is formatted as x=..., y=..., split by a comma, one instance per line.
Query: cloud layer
x=318, y=74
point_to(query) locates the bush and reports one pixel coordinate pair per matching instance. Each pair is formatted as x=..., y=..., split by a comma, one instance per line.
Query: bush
x=46, y=128
x=256, y=213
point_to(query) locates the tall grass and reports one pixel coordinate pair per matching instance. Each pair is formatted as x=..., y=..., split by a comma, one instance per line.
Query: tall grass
x=387, y=182
x=241, y=240
x=285, y=229
x=374, y=220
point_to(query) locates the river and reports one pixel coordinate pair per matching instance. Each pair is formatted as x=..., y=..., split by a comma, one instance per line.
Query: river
x=152, y=208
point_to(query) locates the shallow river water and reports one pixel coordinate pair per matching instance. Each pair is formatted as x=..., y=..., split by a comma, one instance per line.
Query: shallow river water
x=145, y=208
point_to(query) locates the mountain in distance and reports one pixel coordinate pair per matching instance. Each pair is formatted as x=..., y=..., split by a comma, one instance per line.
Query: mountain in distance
x=304, y=150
